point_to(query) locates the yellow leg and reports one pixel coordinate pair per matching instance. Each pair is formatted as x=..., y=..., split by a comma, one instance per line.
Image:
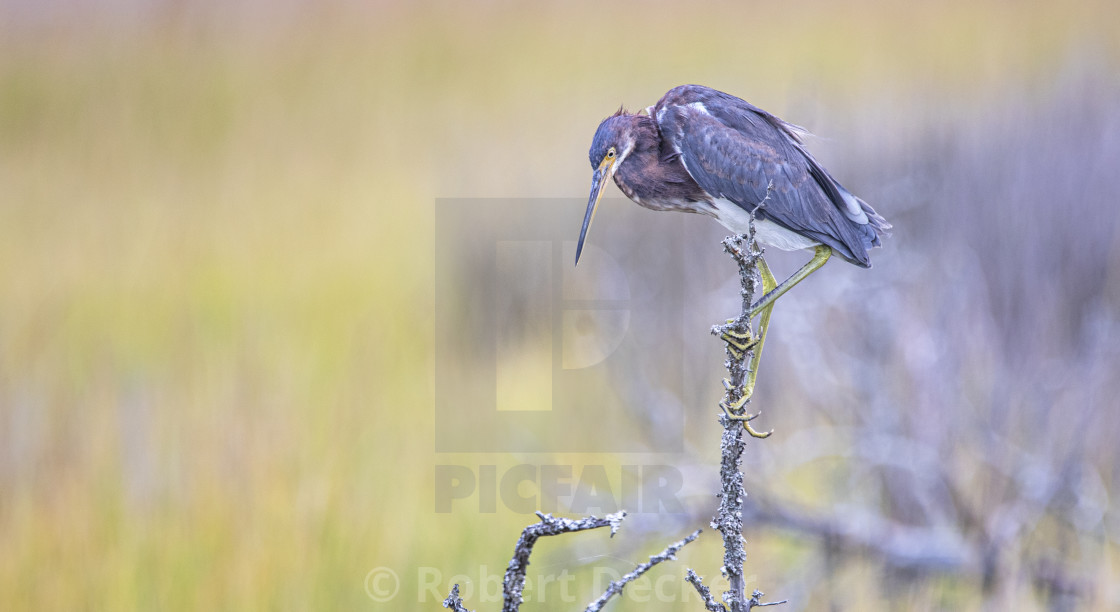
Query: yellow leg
x=769, y=283
x=820, y=256
x=739, y=343
x=733, y=410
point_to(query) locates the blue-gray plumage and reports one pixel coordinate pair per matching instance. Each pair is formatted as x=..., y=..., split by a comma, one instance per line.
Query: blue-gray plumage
x=704, y=151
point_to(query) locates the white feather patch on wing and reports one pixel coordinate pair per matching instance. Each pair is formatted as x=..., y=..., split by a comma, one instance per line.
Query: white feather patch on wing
x=699, y=107
x=852, y=208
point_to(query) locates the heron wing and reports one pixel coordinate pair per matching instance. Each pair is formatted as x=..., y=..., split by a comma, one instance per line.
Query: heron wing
x=739, y=152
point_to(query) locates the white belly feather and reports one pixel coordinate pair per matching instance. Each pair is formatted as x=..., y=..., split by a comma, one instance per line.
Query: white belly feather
x=734, y=218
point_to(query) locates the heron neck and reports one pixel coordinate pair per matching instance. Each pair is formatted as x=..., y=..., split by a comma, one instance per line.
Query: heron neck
x=651, y=180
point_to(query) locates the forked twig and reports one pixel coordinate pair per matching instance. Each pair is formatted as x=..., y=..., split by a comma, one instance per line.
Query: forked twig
x=710, y=602
x=514, y=583
x=615, y=587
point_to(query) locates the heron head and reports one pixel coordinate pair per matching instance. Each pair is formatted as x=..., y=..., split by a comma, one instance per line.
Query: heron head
x=613, y=141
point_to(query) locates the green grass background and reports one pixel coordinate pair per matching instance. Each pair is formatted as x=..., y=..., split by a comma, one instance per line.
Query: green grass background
x=216, y=261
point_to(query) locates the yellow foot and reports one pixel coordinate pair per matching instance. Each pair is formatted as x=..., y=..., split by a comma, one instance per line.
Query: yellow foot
x=738, y=343
x=734, y=411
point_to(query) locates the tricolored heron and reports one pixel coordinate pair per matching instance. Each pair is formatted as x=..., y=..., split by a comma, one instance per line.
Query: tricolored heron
x=704, y=151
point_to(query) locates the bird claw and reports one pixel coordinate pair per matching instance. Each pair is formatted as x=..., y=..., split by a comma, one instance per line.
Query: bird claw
x=744, y=418
x=734, y=411
x=738, y=343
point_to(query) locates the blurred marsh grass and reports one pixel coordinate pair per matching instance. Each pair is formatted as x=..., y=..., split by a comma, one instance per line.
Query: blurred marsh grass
x=216, y=258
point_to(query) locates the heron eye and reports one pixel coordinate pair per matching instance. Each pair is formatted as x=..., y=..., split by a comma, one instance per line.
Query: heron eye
x=610, y=153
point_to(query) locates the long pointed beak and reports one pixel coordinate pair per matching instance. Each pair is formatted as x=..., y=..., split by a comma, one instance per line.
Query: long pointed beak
x=599, y=180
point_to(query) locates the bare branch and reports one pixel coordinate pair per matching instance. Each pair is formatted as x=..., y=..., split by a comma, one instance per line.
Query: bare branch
x=454, y=602
x=729, y=517
x=615, y=587
x=729, y=520
x=757, y=596
x=514, y=582
x=710, y=602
